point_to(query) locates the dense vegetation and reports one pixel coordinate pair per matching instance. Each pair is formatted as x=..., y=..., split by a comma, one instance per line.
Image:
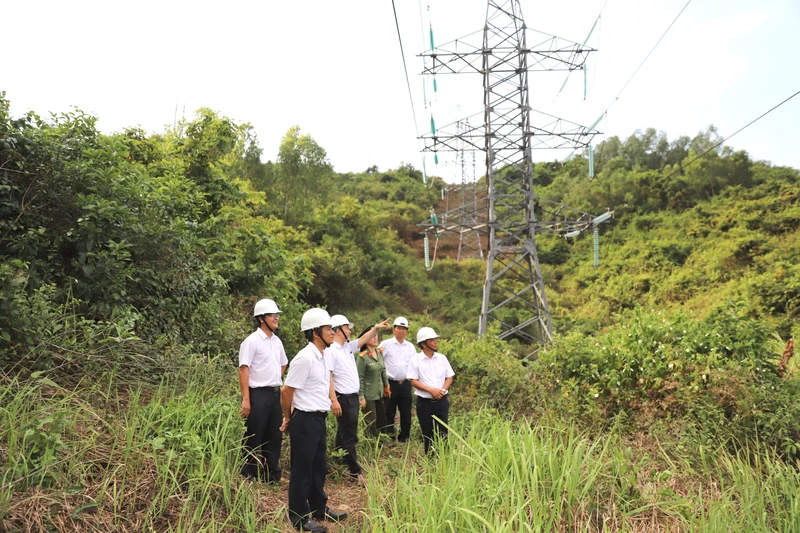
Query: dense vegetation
x=129, y=264
x=169, y=237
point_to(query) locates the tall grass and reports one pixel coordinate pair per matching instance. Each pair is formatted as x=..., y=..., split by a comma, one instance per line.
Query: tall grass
x=101, y=456
x=502, y=476
x=756, y=493
x=492, y=477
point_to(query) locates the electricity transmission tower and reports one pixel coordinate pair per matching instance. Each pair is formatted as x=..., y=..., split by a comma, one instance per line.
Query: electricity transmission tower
x=513, y=292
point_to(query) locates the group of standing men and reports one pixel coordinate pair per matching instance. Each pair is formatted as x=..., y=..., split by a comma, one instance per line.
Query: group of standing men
x=322, y=378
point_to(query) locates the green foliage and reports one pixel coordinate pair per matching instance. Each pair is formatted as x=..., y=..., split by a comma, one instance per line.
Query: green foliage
x=192, y=434
x=300, y=180
x=489, y=373
x=133, y=253
x=151, y=232
x=36, y=443
x=740, y=244
x=38, y=332
x=464, y=279
x=163, y=243
x=206, y=145
x=497, y=476
x=400, y=188
x=126, y=459
x=353, y=247
x=719, y=372
x=167, y=233
x=254, y=253
x=646, y=174
x=553, y=251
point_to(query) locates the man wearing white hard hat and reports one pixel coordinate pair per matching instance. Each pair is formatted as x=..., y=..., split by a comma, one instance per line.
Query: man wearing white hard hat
x=345, y=386
x=305, y=400
x=262, y=361
x=431, y=376
x=397, y=352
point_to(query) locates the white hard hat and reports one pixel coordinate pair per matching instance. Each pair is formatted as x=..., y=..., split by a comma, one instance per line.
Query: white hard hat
x=340, y=320
x=400, y=321
x=425, y=334
x=265, y=307
x=314, y=318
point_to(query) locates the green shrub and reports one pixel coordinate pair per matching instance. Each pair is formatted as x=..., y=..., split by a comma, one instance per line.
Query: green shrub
x=38, y=332
x=488, y=373
x=718, y=372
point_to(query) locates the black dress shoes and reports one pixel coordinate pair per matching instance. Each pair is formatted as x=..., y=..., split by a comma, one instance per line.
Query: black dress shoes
x=332, y=515
x=310, y=525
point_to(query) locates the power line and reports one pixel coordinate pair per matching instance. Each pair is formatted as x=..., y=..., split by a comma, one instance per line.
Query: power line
x=695, y=158
x=647, y=56
x=605, y=113
x=405, y=68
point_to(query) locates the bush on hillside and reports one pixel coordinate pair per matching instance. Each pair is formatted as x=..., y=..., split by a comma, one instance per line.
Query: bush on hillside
x=717, y=372
x=488, y=373
x=38, y=332
x=150, y=232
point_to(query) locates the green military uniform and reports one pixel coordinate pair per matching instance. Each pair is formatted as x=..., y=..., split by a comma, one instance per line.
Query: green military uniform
x=373, y=379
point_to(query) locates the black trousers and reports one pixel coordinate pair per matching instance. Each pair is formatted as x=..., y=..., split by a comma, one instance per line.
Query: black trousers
x=400, y=400
x=309, y=467
x=347, y=430
x=426, y=410
x=262, y=434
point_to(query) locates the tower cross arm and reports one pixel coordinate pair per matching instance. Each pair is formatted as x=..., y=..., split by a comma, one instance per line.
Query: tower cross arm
x=549, y=54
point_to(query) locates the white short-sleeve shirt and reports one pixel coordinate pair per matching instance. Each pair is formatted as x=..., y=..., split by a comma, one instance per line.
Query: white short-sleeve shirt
x=342, y=363
x=309, y=376
x=431, y=371
x=396, y=357
x=264, y=356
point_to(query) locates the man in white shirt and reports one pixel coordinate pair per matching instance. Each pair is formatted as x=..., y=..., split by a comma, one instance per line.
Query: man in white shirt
x=262, y=361
x=344, y=388
x=305, y=400
x=431, y=376
x=397, y=352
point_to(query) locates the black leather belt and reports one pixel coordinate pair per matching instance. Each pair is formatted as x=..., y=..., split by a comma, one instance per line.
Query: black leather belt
x=268, y=388
x=398, y=382
x=314, y=413
x=338, y=394
x=423, y=399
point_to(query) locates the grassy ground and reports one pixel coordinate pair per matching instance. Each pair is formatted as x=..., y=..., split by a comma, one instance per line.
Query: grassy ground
x=111, y=455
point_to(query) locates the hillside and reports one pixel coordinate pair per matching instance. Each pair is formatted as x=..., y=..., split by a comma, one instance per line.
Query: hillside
x=129, y=265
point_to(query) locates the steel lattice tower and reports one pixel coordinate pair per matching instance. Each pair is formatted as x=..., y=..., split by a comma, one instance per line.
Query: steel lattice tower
x=513, y=292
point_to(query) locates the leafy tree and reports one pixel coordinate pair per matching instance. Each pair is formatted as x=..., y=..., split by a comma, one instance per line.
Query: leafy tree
x=204, y=145
x=148, y=227
x=303, y=178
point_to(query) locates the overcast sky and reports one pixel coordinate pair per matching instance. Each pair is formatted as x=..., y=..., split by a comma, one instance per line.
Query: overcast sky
x=334, y=68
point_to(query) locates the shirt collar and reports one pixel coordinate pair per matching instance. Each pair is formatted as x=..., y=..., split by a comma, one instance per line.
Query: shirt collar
x=263, y=334
x=314, y=350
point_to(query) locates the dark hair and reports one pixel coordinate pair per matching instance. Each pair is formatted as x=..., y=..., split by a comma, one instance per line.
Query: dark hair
x=309, y=333
x=366, y=330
